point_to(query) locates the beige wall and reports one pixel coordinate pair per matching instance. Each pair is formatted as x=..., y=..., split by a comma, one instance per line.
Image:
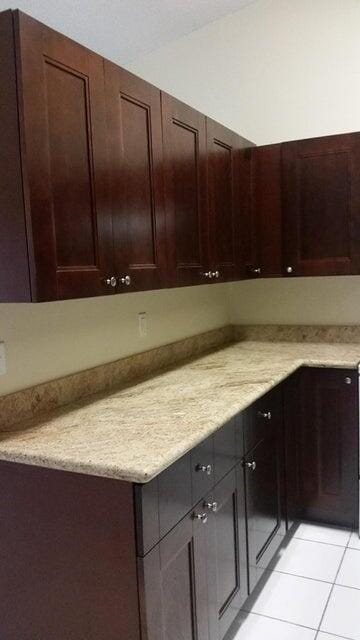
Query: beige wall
x=50, y=340
x=332, y=300
x=275, y=70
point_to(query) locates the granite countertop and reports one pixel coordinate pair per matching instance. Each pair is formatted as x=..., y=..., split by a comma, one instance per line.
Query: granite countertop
x=135, y=433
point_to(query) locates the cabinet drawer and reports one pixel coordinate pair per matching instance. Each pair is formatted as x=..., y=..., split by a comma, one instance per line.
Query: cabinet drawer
x=161, y=503
x=202, y=469
x=260, y=417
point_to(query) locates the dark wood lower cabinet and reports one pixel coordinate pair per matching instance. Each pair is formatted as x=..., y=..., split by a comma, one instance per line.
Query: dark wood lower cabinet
x=173, y=584
x=328, y=446
x=86, y=557
x=264, y=482
x=227, y=559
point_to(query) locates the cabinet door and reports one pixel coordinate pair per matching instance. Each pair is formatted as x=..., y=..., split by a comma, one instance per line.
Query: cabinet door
x=266, y=211
x=322, y=205
x=264, y=483
x=226, y=205
x=65, y=164
x=184, y=134
x=227, y=558
x=136, y=164
x=173, y=584
x=329, y=445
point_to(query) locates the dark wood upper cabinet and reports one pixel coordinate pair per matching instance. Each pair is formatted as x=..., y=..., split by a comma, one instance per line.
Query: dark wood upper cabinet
x=322, y=205
x=226, y=200
x=184, y=131
x=264, y=259
x=136, y=168
x=64, y=162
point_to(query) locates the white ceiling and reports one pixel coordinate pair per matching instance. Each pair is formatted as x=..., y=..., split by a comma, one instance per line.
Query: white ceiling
x=124, y=30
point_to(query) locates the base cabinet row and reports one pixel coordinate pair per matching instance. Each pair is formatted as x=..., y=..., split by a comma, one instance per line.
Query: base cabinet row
x=175, y=559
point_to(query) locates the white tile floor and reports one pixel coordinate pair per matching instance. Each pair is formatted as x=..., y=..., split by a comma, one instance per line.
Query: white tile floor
x=312, y=591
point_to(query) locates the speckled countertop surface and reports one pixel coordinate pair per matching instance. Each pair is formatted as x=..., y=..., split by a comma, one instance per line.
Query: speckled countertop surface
x=135, y=433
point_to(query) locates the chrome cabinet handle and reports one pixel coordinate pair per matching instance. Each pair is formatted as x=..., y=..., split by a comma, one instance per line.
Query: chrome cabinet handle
x=348, y=380
x=200, y=516
x=265, y=414
x=216, y=274
x=289, y=269
x=111, y=282
x=251, y=465
x=204, y=468
x=212, y=506
x=256, y=271
x=125, y=280
x=208, y=274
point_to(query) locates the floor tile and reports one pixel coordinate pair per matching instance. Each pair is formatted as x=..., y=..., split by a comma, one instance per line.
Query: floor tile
x=310, y=560
x=342, y=616
x=291, y=599
x=322, y=533
x=254, y=627
x=349, y=574
x=328, y=636
x=354, y=541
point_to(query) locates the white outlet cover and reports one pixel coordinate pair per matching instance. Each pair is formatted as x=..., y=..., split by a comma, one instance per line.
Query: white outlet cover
x=2, y=359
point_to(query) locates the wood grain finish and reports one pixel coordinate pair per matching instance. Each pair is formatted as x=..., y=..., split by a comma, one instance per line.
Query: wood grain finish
x=322, y=205
x=329, y=446
x=266, y=185
x=225, y=200
x=173, y=584
x=184, y=134
x=14, y=266
x=264, y=481
x=135, y=144
x=64, y=163
x=68, y=567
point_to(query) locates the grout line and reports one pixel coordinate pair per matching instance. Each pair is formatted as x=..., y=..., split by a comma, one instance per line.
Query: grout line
x=328, y=544
x=331, y=591
x=293, y=624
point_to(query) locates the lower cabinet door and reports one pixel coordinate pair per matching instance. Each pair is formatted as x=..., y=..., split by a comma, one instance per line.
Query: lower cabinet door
x=264, y=503
x=173, y=583
x=227, y=558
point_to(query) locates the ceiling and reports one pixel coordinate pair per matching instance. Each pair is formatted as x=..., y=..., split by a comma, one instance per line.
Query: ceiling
x=124, y=30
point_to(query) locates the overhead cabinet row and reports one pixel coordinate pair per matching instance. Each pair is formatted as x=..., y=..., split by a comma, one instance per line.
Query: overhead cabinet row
x=305, y=208
x=107, y=184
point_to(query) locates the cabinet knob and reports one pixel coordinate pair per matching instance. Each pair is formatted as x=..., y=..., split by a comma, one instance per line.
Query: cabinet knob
x=216, y=274
x=208, y=274
x=348, y=380
x=111, y=282
x=205, y=468
x=212, y=506
x=289, y=269
x=251, y=465
x=200, y=516
x=125, y=280
x=256, y=271
x=265, y=414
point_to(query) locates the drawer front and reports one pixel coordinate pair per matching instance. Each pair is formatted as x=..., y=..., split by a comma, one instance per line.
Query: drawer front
x=261, y=417
x=225, y=449
x=174, y=494
x=202, y=469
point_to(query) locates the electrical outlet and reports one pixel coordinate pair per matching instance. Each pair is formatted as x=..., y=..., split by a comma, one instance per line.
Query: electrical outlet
x=142, y=324
x=2, y=359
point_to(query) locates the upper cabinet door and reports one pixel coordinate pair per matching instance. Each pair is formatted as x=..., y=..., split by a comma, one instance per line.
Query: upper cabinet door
x=322, y=205
x=226, y=206
x=184, y=133
x=136, y=164
x=266, y=212
x=62, y=110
